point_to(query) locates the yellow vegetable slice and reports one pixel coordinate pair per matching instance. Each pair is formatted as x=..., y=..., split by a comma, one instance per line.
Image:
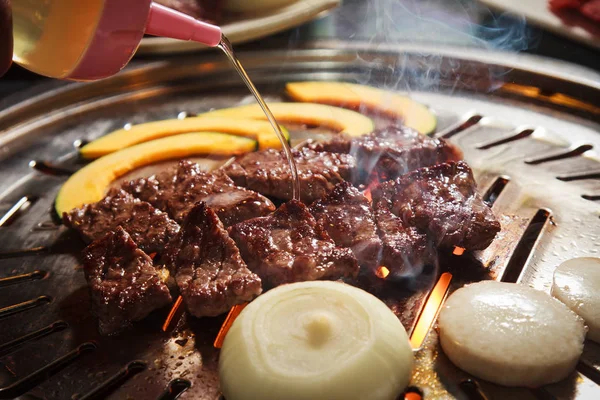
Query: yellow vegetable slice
x=413, y=114
x=334, y=118
x=261, y=131
x=89, y=184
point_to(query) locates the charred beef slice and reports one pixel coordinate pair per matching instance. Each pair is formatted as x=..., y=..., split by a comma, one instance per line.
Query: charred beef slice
x=346, y=215
x=391, y=152
x=405, y=249
x=150, y=229
x=289, y=246
x=442, y=200
x=124, y=285
x=268, y=172
x=176, y=190
x=211, y=275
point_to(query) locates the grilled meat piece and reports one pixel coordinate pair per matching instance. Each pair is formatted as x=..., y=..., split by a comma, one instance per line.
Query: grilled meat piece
x=267, y=172
x=211, y=275
x=405, y=249
x=124, y=285
x=150, y=228
x=178, y=189
x=390, y=152
x=443, y=201
x=346, y=215
x=289, y=246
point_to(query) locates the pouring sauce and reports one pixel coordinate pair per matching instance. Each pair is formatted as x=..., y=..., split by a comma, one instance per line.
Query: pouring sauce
x=225, y=45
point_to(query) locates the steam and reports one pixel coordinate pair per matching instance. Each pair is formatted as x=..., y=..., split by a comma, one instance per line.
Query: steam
x=428, y=28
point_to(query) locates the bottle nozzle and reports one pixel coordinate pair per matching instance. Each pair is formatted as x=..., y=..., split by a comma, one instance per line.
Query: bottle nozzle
x=167, y=22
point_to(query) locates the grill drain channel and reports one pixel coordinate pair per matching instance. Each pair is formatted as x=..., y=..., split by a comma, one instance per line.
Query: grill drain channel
x=26, y=305
x=111, y=384
x=175, y=389
x=52, y=328
x=29, y=382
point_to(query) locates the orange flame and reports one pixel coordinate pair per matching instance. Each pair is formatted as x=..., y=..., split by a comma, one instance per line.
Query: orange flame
x=172, y=313
x=458, y=251
x=233, y=314
x=382, y=272
x=430, y=311
x=367, y=194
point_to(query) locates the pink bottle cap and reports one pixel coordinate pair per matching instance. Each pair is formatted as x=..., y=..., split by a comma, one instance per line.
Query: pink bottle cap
x=121, y=27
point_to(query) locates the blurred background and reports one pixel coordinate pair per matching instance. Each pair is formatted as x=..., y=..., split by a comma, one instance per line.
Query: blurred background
x=528, y=27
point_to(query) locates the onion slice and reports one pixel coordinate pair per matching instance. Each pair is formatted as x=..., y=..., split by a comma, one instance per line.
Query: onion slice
x=315, y=340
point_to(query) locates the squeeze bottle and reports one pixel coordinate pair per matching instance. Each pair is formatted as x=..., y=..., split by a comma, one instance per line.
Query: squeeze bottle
x=93, y=39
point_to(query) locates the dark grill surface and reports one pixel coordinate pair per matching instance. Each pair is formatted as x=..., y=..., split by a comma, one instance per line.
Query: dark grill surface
x=533, y=159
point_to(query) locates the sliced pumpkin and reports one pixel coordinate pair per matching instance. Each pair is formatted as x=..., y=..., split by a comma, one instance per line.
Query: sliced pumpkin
x=413, y=114
x=334, y=118
x=260, y=131
x=90, y=183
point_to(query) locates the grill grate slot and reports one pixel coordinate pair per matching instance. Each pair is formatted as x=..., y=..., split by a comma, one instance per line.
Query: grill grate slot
x=30, y=276
x=175, y=389
x=22, y=252
x=491, y=195
x=111, y=384
x=26, y=305
x=472, y=390
x=524, y=248
x=25, y=384
x=50, y=168
x=589, y=372
x=592, y=197
x=579, y=176
x=16, y=210
x=510, y=138
x=577, y=151
x=460, y=126
x=13, y=344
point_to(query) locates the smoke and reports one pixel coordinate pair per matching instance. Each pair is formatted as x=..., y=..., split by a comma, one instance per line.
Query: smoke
x=432, y=31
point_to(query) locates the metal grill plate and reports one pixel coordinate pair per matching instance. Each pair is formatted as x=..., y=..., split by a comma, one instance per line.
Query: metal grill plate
x=553, y=118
